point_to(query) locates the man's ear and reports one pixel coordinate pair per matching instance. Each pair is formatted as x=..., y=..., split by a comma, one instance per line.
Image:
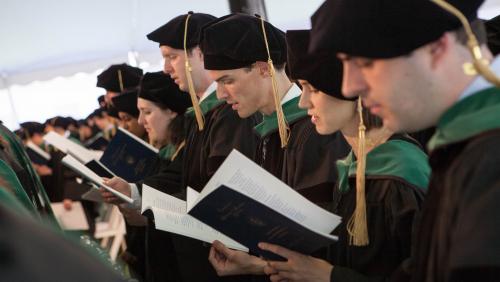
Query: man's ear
x=439, y=49
x=263, y=68
x=196, y=52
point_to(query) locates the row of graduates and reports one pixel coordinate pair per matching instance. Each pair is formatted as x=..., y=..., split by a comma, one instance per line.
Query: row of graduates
x=378, y=184
x=389, y=231
x=51, y=171
x=60, y=183
x=34, y=246
x=94, y=132
x=161, y=124
x=238, y=72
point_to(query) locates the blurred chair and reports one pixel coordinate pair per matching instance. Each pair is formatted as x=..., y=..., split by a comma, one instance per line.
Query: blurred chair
x=112, y=231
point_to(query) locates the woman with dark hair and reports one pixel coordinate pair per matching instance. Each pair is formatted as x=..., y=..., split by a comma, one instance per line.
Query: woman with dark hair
x=161, y=111
x=162, y=106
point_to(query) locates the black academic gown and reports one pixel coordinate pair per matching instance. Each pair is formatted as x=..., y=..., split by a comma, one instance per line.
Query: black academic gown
x=63, y=185
x=161, y=261
x=392, y=203
x=307, y=163
x=458, y=237
x=205, y=152
x=166, y=175
x=149, y=250
x=32, y=252
x=135, y=256
x=207, y=149
x=423, y=136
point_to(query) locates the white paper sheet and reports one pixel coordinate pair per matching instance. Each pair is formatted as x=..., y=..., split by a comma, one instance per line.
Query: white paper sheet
x=84, y=171
x=67, y=146
x=73, y=219
x=170, y=215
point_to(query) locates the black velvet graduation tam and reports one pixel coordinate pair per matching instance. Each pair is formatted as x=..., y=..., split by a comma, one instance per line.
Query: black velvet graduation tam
x=160, y=88
x=111, y=110
x=83, y=122
x=323, y=70
x=127, y=102
x=109, y=79
x=493, y=34
x=236, y=41
x=62, y=122
x=100, y=99
x=172, y=33
x=72, y=121
x=382, y=28
x=32, y=127
x=99, y=113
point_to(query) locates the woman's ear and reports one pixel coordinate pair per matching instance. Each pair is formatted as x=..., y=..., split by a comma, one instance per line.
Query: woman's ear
x=172, y=114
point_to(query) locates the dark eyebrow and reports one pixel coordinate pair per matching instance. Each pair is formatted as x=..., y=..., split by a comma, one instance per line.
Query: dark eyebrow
x=168, y=53
x=224, y=77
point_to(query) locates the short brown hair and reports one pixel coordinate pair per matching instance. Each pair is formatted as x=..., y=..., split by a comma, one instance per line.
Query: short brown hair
x=478, y=29
x=277, y=67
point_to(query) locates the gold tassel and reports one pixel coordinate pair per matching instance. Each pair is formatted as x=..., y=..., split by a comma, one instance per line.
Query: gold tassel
x=479, y=64
x=192, y=93
x=283, y=128
x=120, y=80
x=357, y=227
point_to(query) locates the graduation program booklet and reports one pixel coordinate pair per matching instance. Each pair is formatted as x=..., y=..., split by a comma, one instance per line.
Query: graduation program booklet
x=88, y=174
x=67, y=146
x=170, y=215
x=128, y=156
x=98, y=142
x=249, y=205
x=85, y=156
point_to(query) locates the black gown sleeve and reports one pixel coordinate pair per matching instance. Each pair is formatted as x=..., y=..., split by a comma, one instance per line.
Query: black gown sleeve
x=475, y=251
x=167, y=177
x=229, y=132
x=309, y=164
x=392, y=207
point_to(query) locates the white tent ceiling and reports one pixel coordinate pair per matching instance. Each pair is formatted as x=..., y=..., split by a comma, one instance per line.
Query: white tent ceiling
x=44, y=39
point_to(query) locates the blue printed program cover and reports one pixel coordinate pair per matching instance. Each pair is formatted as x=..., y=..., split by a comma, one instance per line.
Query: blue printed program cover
x=129, y=157
x=249, y=222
